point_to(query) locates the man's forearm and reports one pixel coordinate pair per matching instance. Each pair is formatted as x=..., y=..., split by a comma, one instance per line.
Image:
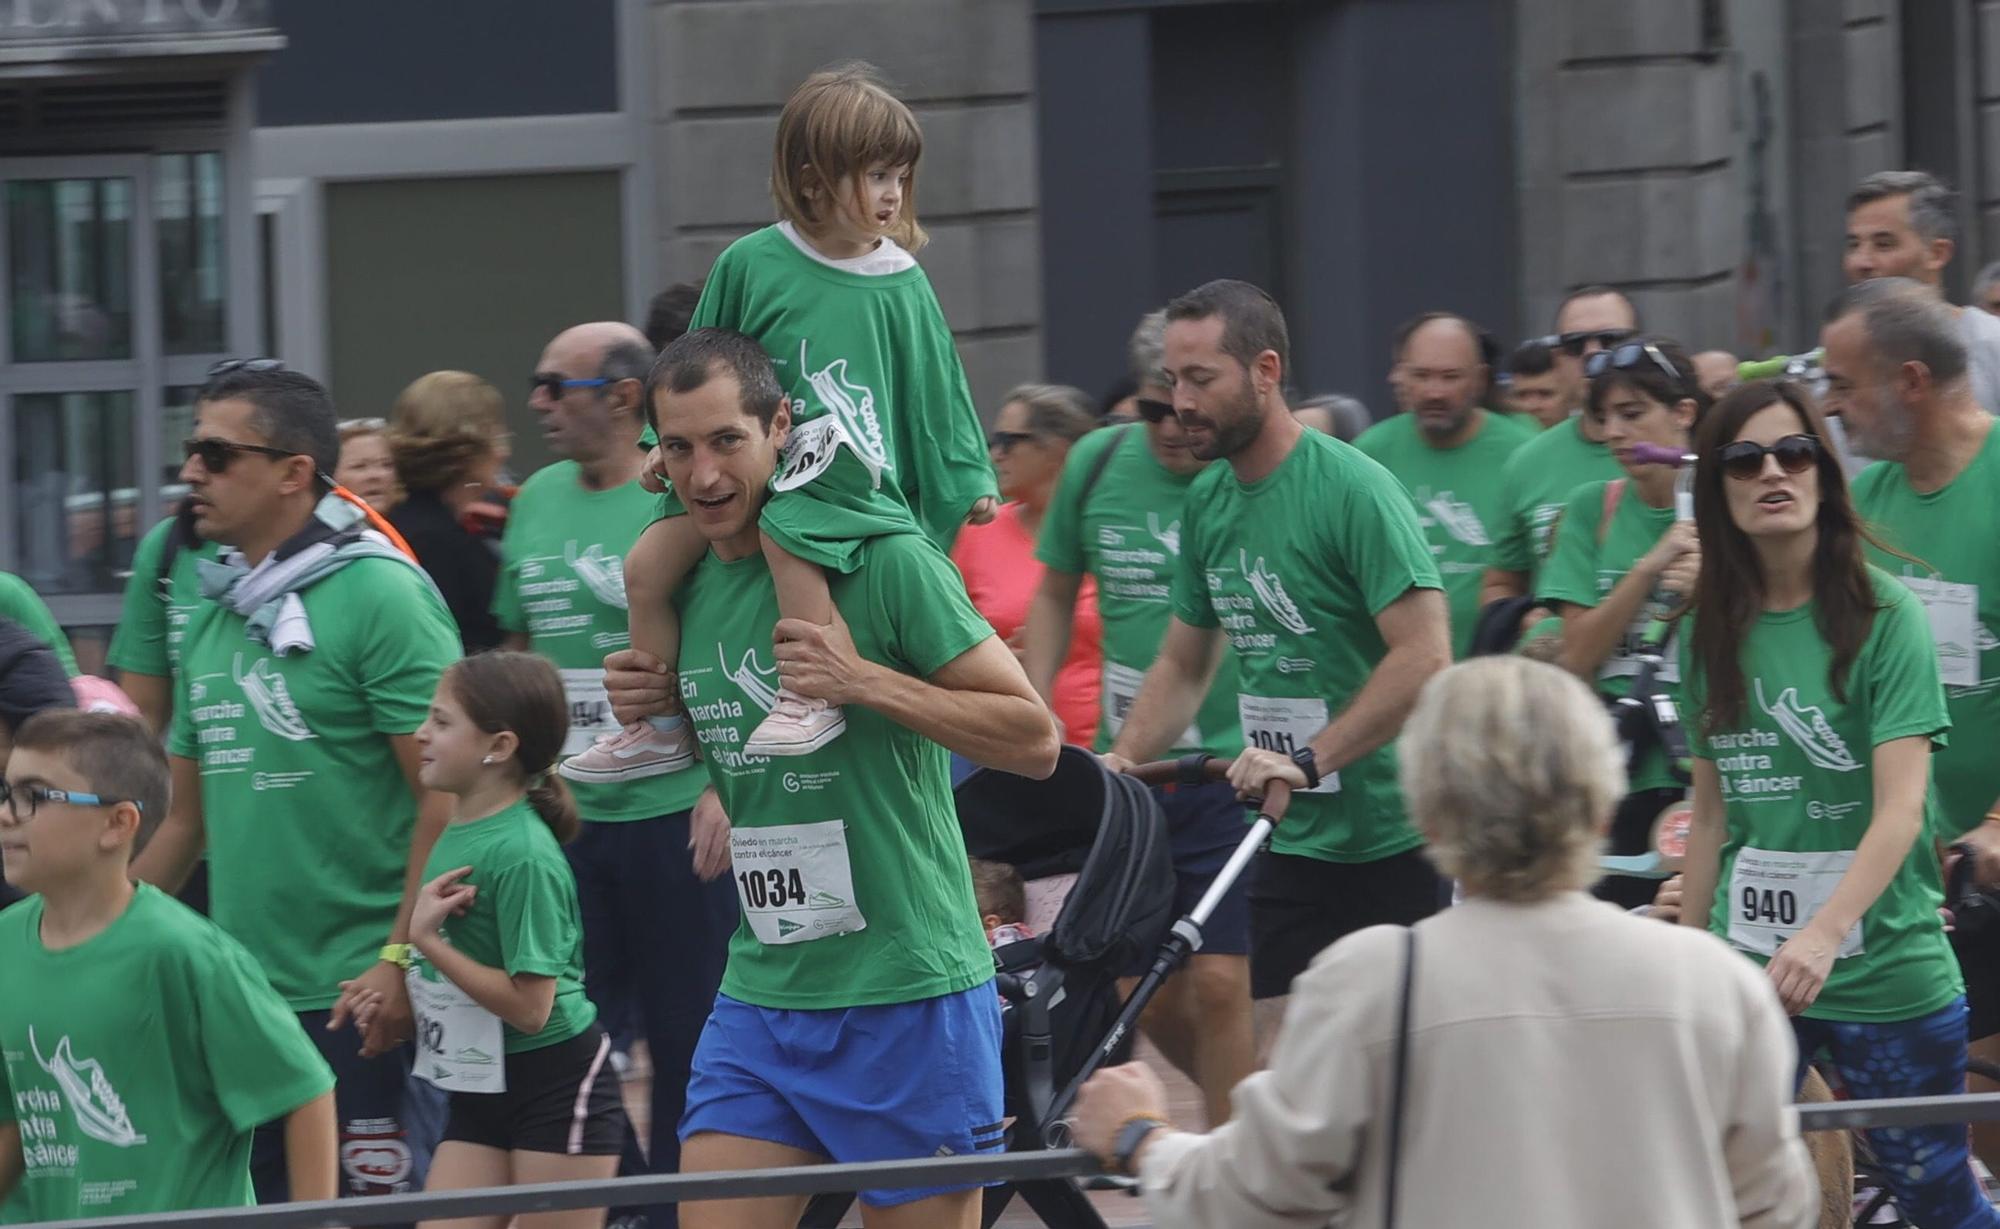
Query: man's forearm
x=433, y=813
x=311, y=1150
x=1376, y=715
x=1008, y=732
x=1049, y=628
x=169, y=856
x=12, y=1163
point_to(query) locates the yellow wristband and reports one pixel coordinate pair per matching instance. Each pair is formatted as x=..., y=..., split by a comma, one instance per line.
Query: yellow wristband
x=397, y=954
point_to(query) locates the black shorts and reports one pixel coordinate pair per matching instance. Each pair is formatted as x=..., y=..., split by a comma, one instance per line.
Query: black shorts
x=562, y=1098
x=1205, y=823
x=1300, y=906
x=1978, y=955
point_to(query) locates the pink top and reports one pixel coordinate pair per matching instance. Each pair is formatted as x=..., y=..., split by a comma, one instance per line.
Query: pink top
x=1001, y=574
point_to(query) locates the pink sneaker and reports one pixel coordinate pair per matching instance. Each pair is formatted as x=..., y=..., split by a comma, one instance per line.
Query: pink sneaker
x=796, y=726
x=638, y=751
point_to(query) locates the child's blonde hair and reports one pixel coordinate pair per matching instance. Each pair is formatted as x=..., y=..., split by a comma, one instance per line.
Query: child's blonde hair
x=838, y=123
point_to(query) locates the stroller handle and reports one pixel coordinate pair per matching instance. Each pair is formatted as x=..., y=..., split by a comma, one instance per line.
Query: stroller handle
x=1201, y=769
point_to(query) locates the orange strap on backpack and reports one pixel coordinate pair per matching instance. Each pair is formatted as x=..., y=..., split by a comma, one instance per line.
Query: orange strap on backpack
x=1614, y=491
x=376, y=520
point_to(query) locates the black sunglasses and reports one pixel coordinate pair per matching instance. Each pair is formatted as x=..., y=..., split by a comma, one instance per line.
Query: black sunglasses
x=216, y=455
x=1573, y=344
x=1153, y=411
x=1627, y=358
x=228, y=365
x=1004, y=441
x=556, y=384
x=1744, y=459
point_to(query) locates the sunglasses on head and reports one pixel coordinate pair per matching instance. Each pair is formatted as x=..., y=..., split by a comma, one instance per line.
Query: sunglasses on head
x=1153, y=411
x=1573, y=344
x=216, y=455
x=1004, y=441
x=1744, y=459
x=228, y=365
x=556, y=385
x=1627, y=358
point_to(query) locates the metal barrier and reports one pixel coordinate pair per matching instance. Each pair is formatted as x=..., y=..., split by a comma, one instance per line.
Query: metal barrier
x=818, y=1179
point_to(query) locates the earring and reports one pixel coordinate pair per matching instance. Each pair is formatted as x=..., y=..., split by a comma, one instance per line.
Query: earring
x=487, y=760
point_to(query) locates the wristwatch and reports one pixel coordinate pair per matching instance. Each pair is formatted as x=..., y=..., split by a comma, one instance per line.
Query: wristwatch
x=1131, y=1137
x=1308, y=765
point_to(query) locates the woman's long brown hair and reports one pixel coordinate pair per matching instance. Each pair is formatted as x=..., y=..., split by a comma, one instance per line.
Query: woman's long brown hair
x=1729, y=595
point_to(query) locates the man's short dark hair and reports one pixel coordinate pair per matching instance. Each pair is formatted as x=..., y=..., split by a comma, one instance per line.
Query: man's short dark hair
x=292, y=411
x=1933, y=205
x=117, y=756
x=1596, y=290
x=694, y=358
x=671, y=310
x=1530, y=358
x=1481, y=342
x=1906, y=322
x=626, y=360
x=1251, y=320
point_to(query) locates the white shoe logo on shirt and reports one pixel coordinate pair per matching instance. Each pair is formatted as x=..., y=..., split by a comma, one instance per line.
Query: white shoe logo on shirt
x=750, y=677
x=271, y=700
x=1807, y=726
x=95, y=1105
x=1271, y=592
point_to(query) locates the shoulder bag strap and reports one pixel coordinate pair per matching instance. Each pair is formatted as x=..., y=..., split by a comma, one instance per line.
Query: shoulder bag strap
x=1400, y=1076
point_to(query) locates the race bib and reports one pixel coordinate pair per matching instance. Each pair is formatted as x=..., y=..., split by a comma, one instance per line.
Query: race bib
x=809, y=453
x=1772, y=894
x=794, y=881
x=1121, y=687
x=1284, y=726
x=1954, y=615
x=459, y=1044
x=589, y=710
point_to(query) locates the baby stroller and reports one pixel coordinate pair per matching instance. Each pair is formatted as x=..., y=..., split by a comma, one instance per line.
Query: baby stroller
x=1063, y=1018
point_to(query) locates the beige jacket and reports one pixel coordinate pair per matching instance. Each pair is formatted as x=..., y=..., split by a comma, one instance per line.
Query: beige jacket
x=1571, y=1067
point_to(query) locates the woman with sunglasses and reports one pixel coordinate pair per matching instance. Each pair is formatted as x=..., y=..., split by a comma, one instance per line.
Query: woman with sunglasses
x=1621, y=567
x=1815, y=702
x=1031, y=439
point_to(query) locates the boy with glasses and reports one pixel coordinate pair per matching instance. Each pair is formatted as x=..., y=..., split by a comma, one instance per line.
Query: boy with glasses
x=140, y=1046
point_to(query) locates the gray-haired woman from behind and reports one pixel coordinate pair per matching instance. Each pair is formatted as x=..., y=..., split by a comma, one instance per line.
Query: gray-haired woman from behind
x=1533, y=1058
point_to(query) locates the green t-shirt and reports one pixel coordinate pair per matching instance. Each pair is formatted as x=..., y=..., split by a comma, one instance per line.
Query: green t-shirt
x=562, y=584
x=1459, y=500
x=1587, y=563
x=1537, y=481
x=892, y=919
x=308, y=813
x=19, y=603
x=873, y=349
x=1294, y=568
x=137, y=1064
x=155, y=615
x=1950, y=530
x=1798, y=795
x=524, y=918
x=1126, y=532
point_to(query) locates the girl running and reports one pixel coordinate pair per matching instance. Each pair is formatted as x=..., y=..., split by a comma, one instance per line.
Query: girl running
x=496, y=979
x=1814, y=687
x=885, y=436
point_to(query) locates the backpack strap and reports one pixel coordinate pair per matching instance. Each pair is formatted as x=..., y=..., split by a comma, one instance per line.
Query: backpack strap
x=1614, y=491
x=1119, y=433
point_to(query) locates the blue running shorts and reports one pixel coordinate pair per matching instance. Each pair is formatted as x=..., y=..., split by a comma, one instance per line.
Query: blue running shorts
x=891, y=1082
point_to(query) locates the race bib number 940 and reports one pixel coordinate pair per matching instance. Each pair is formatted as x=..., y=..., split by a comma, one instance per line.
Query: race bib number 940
x=1283, y=726
x=794, y=881
x=1773, y=893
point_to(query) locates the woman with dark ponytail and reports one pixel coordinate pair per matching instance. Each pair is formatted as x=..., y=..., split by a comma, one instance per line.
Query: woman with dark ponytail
x=497, y=971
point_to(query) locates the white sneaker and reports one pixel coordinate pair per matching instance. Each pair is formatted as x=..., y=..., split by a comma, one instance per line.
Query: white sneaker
x=796, y=726
x=638, y=751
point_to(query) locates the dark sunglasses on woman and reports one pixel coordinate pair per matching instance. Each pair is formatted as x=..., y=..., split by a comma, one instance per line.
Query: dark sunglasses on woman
x=1004, y=441
x=1744, y=459
x=1154, y=411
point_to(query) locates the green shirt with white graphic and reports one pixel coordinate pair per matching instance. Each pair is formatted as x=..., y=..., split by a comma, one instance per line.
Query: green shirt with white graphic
x=155, y=615
x=873, y=350
x=1949, y=530
x=524, y=919
x=1538, y=480
x=562, y=585
x=1798, y=795
x=1294, y=568
x=848, y=861
x=137, y=1064
x=1126, y=531
x=1459, y=498
x=19, y=603
x=307, y=810
x=1589, y=560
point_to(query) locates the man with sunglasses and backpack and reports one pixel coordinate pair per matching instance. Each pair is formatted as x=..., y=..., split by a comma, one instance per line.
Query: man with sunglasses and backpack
x=1539, y=476
x=1898, y=374
x=1116, y=515
x=303, y=674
